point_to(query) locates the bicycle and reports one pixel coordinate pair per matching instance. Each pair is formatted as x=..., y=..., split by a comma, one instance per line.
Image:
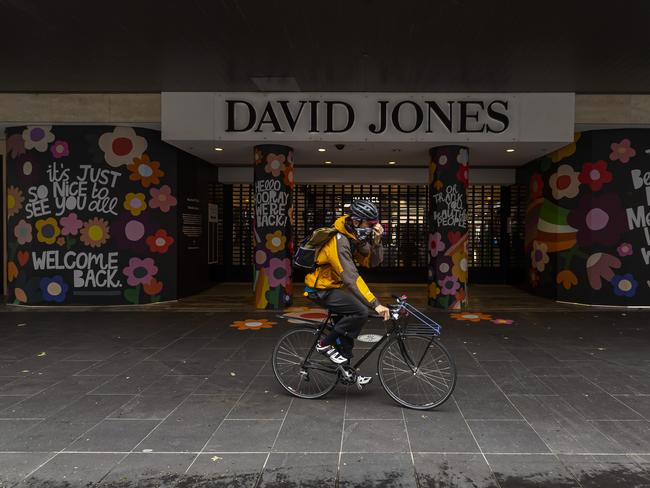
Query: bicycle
x=414, y=368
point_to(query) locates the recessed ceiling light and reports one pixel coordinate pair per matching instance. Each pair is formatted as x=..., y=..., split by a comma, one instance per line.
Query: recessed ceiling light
x=328, y=162
x=510, y=150
x=321, y=149
x=218, y=148
x=391, y=162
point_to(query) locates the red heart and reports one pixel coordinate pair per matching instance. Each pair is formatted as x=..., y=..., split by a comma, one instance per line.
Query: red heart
x=23, y=257
x=453, y=236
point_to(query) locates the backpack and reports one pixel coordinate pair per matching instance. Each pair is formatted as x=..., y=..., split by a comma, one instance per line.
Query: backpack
x=305, y=255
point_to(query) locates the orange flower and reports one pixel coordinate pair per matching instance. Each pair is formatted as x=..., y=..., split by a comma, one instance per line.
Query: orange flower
x=460, y=295
x=437, y=185
x=434, y=290
x=146, y=171
x=12, y=271
x=252, y=324
x=471, y=316
x=153, y=287
x=567, y=279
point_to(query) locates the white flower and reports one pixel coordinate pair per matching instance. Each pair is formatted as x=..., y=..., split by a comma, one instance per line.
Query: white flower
x=121, y=146
x=463, y=156
x=539, y=255
x=38, y=137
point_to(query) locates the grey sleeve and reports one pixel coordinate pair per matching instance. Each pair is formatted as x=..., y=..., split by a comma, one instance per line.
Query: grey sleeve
x=376, y=255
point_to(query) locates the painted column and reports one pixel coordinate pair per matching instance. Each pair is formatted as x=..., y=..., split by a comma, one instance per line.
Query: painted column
x=273, y=221
x=448, y=180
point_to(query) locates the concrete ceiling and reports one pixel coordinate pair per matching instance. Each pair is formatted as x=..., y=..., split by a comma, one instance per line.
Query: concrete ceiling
x=335, y=45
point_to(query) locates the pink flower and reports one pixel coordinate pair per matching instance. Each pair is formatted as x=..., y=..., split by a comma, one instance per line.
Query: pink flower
x=70, y=225
x=449, y=285
x=15, y=145
x=275, y=164
x=162, y=198
x=601, y=266
x=140, y=271
x=60, y=149
x=279, y=272
x=625, y=249
x=622, y=151
x=502, y=321
x=436, y=244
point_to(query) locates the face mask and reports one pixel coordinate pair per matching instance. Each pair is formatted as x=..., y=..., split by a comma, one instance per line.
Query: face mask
x=363, y=233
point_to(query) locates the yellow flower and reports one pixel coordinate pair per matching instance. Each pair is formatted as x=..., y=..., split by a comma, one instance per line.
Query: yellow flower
x=12, y=271
x=252, y=324
x=95, y=232
x=15, y=201
x=471, y=316
x=459, y=269
x=135, y=203
x=275, y=241
x=567, y=279
x=437, y=185
x=434, y=290
x=48, y=230
x=566, y=151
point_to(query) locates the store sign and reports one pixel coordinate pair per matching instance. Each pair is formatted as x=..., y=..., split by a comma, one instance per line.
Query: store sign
x=363, y=117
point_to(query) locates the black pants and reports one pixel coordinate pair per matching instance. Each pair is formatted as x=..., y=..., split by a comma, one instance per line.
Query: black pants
x=352, y=316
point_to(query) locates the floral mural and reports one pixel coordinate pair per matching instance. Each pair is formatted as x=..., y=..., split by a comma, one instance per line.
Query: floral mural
x=587, y=219
x=91, y=216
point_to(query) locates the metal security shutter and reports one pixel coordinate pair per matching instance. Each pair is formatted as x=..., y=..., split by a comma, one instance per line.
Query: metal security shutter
x=484, y=215
x=242, y=225
x=216, y=239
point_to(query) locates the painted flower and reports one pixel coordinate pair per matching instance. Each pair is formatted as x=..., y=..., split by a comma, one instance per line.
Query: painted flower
x=70, y=224
x=275, y=241
x=160, y=241
x=23, y=232
x=564, y=183
x=275, y=164
x=47, y=230
x=436, y=244
x=625, y=249
x=135, y=203
x=162, y=198
x=449, y=285
x=463, y=156
x=60, y=149
x=539, y=255
x=261, y=257
x=20, y=295
x=38, y=137
x=258, y=156
x=145, y=171
x=471, y=316
x=459, y=269
x=566, y=278
x=295, y=314
x=601, y=266
x=15, y=145
x=140, y=271
x=61, y=241
x=622, y=151
x=595, y=175
x=566, y=151
x=95, y=232
x=288, y=176
x=12, y=271
x=121, y=146
x=462, y=175
x=536, y=186
x=599, y=219
x=292, y=216
x=53, y=289
x=444, y=265
x=442, y=160
x=502, y=321
x=154, y=287
x=624, y=285
x=438, y=185
x=279, y=272
x=434, y=290
x=533, y=277
x=15, y=201
x=252, y=324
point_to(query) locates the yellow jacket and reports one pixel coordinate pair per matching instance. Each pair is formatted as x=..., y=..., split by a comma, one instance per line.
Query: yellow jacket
x=336, y=263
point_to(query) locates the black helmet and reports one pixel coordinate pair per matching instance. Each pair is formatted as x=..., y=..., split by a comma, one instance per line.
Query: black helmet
x=364, y=210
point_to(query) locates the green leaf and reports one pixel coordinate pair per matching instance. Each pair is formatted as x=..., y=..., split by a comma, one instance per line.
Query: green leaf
x=155, y=298
x=132, y=295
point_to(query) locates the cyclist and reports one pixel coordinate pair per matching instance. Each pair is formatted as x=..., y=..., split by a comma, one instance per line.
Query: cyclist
x=358, y=238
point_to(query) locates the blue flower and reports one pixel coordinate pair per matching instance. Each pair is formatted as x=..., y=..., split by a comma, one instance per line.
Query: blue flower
x=624, y=285
x=53, y=289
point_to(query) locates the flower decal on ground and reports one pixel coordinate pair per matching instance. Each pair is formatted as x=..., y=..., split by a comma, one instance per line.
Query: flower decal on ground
x=275, y=164
x=38, y=137
x=595, y=175
x=145, y=171
x=601, y=266
x=95, y=232
x=154, y=287
x=502, y=321
x=53, y=289
x=622, y=151
x=70, y=224
x=15, y=201
x=162, y=198
x=436, y=244
x=279, y=272
x=624, y=285
x=23, y=232
x=539, y=255
x=625, y=249
x=252, y=324
x=140, y=271
x=121, y=146
x=449, y=285
x=60, y=149
x=566, y=278
x=462, y=175
x=599, y=219
x=536, y=186
x=564, y=183
x=459, y=269
x=135, y=203
x=47, y=230
x=275, y=241
x=471, y=316
x=160, y=241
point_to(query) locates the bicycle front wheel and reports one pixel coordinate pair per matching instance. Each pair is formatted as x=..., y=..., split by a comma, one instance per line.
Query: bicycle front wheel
x=416, y=371
x=311, y=378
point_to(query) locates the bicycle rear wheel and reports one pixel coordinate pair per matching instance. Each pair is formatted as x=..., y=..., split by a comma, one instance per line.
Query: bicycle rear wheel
x=314, y=378
x=416, y=371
